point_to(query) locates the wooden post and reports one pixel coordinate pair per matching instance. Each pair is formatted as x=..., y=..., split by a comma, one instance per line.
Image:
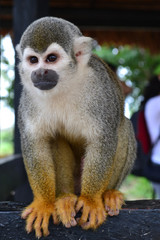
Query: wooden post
x=24, y=12
x=139, y=220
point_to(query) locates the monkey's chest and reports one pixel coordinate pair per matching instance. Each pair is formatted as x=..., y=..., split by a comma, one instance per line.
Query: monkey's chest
x=66, y=121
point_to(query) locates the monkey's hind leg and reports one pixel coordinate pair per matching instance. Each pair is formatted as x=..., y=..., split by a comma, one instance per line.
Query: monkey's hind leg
x=90, y=202
x=66, y=199
x=126, y=150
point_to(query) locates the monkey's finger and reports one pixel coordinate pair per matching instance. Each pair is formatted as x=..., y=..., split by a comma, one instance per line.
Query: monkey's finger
x=71, y=205
x=119, y=203
x=85, y=215
x=107, y=201
x=85, y=226
x=101, y=217
x=37, y=226
x=26, y=212
x=55, y=219
x=90, y=224
x=95, y=220
x=92, y=219
x=68, y=220
x=29, y=221
x=112, y=208
x=70, y=212
x=45, y=224
x=73, y=222
x=79, y=205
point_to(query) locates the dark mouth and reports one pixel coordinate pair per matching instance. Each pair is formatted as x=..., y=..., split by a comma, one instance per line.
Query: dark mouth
x=45, y=85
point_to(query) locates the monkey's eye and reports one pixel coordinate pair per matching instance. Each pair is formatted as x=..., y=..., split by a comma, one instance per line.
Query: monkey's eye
x=51, y=58
x=33, y=59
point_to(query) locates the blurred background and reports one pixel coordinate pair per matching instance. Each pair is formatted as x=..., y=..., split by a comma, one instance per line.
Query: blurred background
x=127, y=37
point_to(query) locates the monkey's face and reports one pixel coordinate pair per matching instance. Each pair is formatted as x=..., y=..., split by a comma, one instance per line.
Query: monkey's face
x=53, y=69
x=47, y=70
x=52, y=52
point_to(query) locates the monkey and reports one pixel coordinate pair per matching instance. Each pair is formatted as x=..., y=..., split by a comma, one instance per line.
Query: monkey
x=77, y=145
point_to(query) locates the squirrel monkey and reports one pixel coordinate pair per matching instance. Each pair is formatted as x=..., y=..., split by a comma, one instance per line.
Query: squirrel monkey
x=77, y=145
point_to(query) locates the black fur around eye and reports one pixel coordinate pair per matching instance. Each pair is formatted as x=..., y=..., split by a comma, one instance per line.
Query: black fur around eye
x=33, y=59
x=51, y=58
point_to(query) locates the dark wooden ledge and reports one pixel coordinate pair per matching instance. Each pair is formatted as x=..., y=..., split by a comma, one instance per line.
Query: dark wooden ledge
x=137, y=220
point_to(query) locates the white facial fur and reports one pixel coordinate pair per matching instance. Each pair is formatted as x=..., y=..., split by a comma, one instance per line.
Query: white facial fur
x=64, y=65
x=26, y=68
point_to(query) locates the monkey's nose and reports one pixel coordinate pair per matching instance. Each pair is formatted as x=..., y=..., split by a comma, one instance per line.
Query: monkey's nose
x=44, y=79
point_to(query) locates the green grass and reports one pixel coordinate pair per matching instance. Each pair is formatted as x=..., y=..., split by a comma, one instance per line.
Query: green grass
x=6, y=142
x=136, y=188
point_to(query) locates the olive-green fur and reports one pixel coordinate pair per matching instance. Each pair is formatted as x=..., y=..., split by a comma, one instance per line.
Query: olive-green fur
x=41, y=33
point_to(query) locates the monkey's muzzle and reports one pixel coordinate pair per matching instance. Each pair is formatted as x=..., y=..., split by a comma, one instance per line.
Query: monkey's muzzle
x=44, y=79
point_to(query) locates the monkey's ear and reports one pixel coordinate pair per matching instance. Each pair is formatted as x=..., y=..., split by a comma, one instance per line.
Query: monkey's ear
x=19, y=52
x=83, y=48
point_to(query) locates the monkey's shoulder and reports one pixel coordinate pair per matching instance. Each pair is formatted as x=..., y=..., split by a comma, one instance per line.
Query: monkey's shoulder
x=105, y=76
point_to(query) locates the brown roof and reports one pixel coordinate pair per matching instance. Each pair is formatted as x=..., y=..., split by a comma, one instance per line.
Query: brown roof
x=135, y=22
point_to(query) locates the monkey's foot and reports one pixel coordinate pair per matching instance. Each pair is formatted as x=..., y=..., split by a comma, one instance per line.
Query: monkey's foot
x=113, y=201
x=65, y=206
x=37, y=216
x=93, y=212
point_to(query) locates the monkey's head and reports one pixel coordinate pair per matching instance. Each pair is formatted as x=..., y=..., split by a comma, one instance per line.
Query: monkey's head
x=50, y=52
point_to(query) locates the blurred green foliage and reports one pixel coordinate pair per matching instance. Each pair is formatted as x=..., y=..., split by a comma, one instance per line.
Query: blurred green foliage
x=134, y=65
x=137, y=188
x=6, y=142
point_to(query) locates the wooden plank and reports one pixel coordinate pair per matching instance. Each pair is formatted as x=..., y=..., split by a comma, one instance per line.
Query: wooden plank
x=104, y=17
x=114, y=4
x=133, y=223
x=116, y=15
x=133, y=37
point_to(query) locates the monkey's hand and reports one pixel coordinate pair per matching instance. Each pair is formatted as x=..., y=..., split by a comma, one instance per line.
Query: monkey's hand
x=93, y=212
x=38, y=214
x=65, y=206
x=113, y=201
